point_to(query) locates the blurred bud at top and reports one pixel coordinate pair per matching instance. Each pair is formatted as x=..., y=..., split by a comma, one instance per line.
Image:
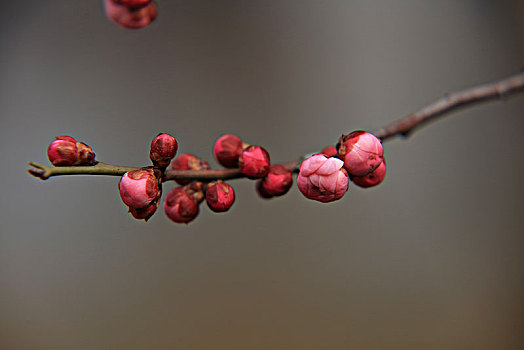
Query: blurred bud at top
x=138, y=188
x=227, y=149
x=361, y=152
x=276, y=183
x=329, y=151
x=128, y=14
x=188, y=161
x=163, y=149
x=67, y=151
x=219, y=196
x=322, y=179
x=254, y=162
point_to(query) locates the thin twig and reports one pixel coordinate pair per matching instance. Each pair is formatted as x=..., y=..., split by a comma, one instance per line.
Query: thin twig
x=498, y=90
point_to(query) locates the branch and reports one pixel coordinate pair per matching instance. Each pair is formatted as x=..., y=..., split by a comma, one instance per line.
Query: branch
x=498, y=90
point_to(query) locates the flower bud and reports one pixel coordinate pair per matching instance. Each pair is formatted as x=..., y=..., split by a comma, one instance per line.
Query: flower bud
x=219, y=196
x=67, y=151
x=329, y=151
x=129, y=16
x=361, y=152
x=133, y=3
x=180, y=206
x=254, y=162
x=62, y=151
x=227, y=149
x=138, y=188
x=85, y=154
x=163, y=149
x=144, y=213
x=187, y=161
x=322, y=179
x=373, y=178
x=276, y=183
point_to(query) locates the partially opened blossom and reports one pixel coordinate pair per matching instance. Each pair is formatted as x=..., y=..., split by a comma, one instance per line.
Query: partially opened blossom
x=138, y=188
x=322, y=179
x=361, y=152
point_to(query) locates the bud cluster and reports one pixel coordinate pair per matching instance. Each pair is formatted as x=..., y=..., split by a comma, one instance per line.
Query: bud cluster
x=133, y=14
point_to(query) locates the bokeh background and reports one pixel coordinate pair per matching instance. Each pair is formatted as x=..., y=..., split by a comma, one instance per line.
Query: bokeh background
x=431, y=259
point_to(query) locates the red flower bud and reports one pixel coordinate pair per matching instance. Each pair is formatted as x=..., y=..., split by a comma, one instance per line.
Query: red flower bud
x=62, y=151
x=329, y=151
x=187, y=161
x=133, y=3
x=219, y=196
x=227, y=149
x=361, y=152
x=277, y=182
x=144, y=213
x=322, y=179
x=254, y=162
x=180, y=206
x=163, y=149
x=373, y=178
x=138, y=188
x=66, y=151
x=128, y=16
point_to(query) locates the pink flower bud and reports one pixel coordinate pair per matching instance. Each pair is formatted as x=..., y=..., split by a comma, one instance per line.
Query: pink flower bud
x=62, y=151
x=227, y=149
x=322, y=179
x=276, y=183
x=219, y=197
x=254, y=162
x=138, y=188
x=144, y=213
x=180, y=206
x=163, y=149
x=329, y=151
x=187, y=161
x=66, y=151
x=373, y=178
x=361, y=151
x=128, y=16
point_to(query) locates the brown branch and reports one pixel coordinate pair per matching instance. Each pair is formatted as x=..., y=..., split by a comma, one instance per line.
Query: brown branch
x=498, y=90
x=489, y=92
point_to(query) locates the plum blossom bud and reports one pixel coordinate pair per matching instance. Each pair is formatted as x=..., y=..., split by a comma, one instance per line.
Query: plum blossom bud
x=138, y=188
x=276, y=183
x=66, y=151
x=187, y=161
x=329, y=151
x=254, y=162
x=373, y=178
x=361, y=152
x=133, y=3
x=219, y=196
x=62, y=151
x=227, y=149
x=163, y=149
x=322, y=179
x=144, y=213
x=180, y=206
x=130, y=16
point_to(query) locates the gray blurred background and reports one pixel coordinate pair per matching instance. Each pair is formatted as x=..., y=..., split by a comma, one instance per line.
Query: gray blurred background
x=431, y=259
